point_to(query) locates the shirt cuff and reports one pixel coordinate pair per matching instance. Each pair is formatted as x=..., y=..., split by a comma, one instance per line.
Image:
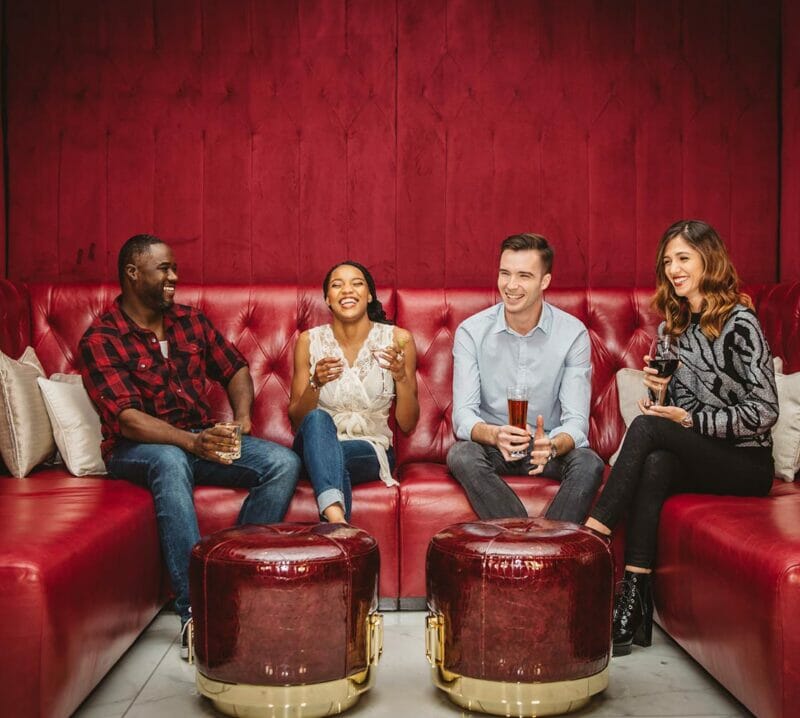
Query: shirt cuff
x=117, y=407
x=464, y=429
x=578, y=437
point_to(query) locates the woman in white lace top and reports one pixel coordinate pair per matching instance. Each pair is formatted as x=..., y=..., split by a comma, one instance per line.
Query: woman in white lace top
x=346, y=375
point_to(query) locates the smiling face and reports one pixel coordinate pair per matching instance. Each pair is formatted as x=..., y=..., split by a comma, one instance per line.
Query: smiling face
x=154, y=276
x=521, y=281
x=348, y=293
x=684, y=268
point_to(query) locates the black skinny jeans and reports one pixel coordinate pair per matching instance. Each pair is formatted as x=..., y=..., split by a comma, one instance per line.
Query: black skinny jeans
x=660, y=458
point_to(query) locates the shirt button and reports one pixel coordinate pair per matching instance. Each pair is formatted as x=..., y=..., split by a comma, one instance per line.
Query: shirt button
x=179, y=391
x=153, y=339
x=141, y=366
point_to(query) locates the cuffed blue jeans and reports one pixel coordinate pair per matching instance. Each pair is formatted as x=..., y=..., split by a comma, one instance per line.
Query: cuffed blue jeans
x=269, y=470
x=334, y=467
x=477, y=468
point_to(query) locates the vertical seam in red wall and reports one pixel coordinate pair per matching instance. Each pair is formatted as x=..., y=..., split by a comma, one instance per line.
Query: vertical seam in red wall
x=636, y=134
x=346, y=129
x=250, y=194
x=108, y=162
x=779, y=148
x=58, y=199
x=202, y=205
x=299, y=274
x=446, y=148
x=155, y=26
x=251, y=180
x=202, y=164
x=395, y=283
x=683, y=114
x=4, y=130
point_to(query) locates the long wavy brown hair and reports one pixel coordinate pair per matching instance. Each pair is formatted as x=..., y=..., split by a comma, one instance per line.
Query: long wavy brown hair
x=719, y=284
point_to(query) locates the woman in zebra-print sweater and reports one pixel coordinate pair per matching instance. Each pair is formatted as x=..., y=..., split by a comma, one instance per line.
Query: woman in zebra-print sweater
x=712, y=433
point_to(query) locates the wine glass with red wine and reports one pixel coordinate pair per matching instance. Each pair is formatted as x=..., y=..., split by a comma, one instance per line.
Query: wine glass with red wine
x=664, y=358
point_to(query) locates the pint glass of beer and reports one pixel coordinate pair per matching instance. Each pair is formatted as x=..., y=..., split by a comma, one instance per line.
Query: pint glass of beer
x=517, y=410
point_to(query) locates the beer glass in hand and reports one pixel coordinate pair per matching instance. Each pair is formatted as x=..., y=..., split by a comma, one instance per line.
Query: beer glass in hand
x=517, y=411
x=664, y=358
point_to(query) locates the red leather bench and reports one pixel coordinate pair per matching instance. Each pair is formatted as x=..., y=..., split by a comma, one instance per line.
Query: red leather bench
x=80, y=572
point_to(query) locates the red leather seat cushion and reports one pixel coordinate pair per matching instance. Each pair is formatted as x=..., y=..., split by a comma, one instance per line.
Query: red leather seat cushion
x=727, y=587
x=80, y=575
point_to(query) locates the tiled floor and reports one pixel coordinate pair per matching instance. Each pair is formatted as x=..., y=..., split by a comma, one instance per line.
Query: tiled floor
x=151, y=681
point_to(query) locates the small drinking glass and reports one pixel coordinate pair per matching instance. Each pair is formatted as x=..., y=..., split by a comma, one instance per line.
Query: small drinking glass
x=517, y=396
x=379, y=355
x=664, y=358
x=236, y=451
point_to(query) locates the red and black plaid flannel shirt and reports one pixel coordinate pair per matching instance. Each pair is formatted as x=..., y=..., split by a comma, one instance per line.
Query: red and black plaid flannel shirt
x=123, y=368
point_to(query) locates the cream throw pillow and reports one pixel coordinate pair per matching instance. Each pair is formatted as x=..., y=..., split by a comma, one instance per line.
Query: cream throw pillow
x=786, y=432
x=629, y=390
x=26, y=438
x=76, y=425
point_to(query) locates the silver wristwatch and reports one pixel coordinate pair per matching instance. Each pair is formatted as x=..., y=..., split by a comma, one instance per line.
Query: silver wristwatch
x=687, y=422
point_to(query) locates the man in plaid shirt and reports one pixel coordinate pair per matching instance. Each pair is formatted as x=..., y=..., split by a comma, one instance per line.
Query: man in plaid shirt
x=144, y=364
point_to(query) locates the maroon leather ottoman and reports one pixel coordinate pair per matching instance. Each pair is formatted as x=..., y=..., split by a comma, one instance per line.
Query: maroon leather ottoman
x=520, y=615
x=285, y=619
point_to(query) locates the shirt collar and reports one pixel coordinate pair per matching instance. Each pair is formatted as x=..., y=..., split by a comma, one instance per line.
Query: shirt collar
x=126, y=325
x=545, y=321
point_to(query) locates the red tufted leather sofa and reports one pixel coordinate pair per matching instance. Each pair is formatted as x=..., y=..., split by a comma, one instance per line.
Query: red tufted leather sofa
x=80, y=572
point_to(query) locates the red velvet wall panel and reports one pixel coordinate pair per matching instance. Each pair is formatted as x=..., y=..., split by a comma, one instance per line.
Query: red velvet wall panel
x=2, y=185
x=595, y=123
x=269, y=139
x=790, y=148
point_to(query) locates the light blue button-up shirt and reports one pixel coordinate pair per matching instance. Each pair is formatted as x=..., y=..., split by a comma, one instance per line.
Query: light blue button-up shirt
x=553, y=360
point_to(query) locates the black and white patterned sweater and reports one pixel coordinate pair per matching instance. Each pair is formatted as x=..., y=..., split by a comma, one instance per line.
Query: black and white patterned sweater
x=728, y=383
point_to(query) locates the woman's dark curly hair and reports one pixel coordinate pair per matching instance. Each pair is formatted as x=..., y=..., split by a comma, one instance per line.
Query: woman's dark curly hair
x=374, y=309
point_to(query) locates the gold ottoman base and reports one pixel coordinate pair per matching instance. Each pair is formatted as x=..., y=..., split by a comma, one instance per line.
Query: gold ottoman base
x=519, y=699
x=309, y=701
x=329, y=698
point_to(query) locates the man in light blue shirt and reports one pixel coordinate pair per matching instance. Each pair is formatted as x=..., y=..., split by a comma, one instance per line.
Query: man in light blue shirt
x=523, y=340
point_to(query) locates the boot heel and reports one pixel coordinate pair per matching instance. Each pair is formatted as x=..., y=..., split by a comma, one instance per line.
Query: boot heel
x=644, y=633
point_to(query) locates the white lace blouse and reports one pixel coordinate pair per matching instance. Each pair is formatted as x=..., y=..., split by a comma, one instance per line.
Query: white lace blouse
x=354, y=400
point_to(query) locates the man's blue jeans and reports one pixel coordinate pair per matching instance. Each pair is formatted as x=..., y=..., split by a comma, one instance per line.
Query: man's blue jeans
x=334, y=466
x=269, y=470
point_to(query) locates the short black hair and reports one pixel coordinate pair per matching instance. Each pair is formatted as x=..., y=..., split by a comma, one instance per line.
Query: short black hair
x=133, y=247
x=526, y=241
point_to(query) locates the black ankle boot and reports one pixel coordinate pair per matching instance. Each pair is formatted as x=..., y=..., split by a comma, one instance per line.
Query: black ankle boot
x=633, y=613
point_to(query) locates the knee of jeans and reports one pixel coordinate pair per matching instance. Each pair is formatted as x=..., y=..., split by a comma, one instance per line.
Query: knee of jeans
x=461, y=456
x=317, y=420
x=169, y=459
x=287, y=462
x=590, y=467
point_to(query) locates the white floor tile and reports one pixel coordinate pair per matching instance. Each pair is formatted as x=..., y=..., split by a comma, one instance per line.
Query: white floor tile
x=151, y=681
